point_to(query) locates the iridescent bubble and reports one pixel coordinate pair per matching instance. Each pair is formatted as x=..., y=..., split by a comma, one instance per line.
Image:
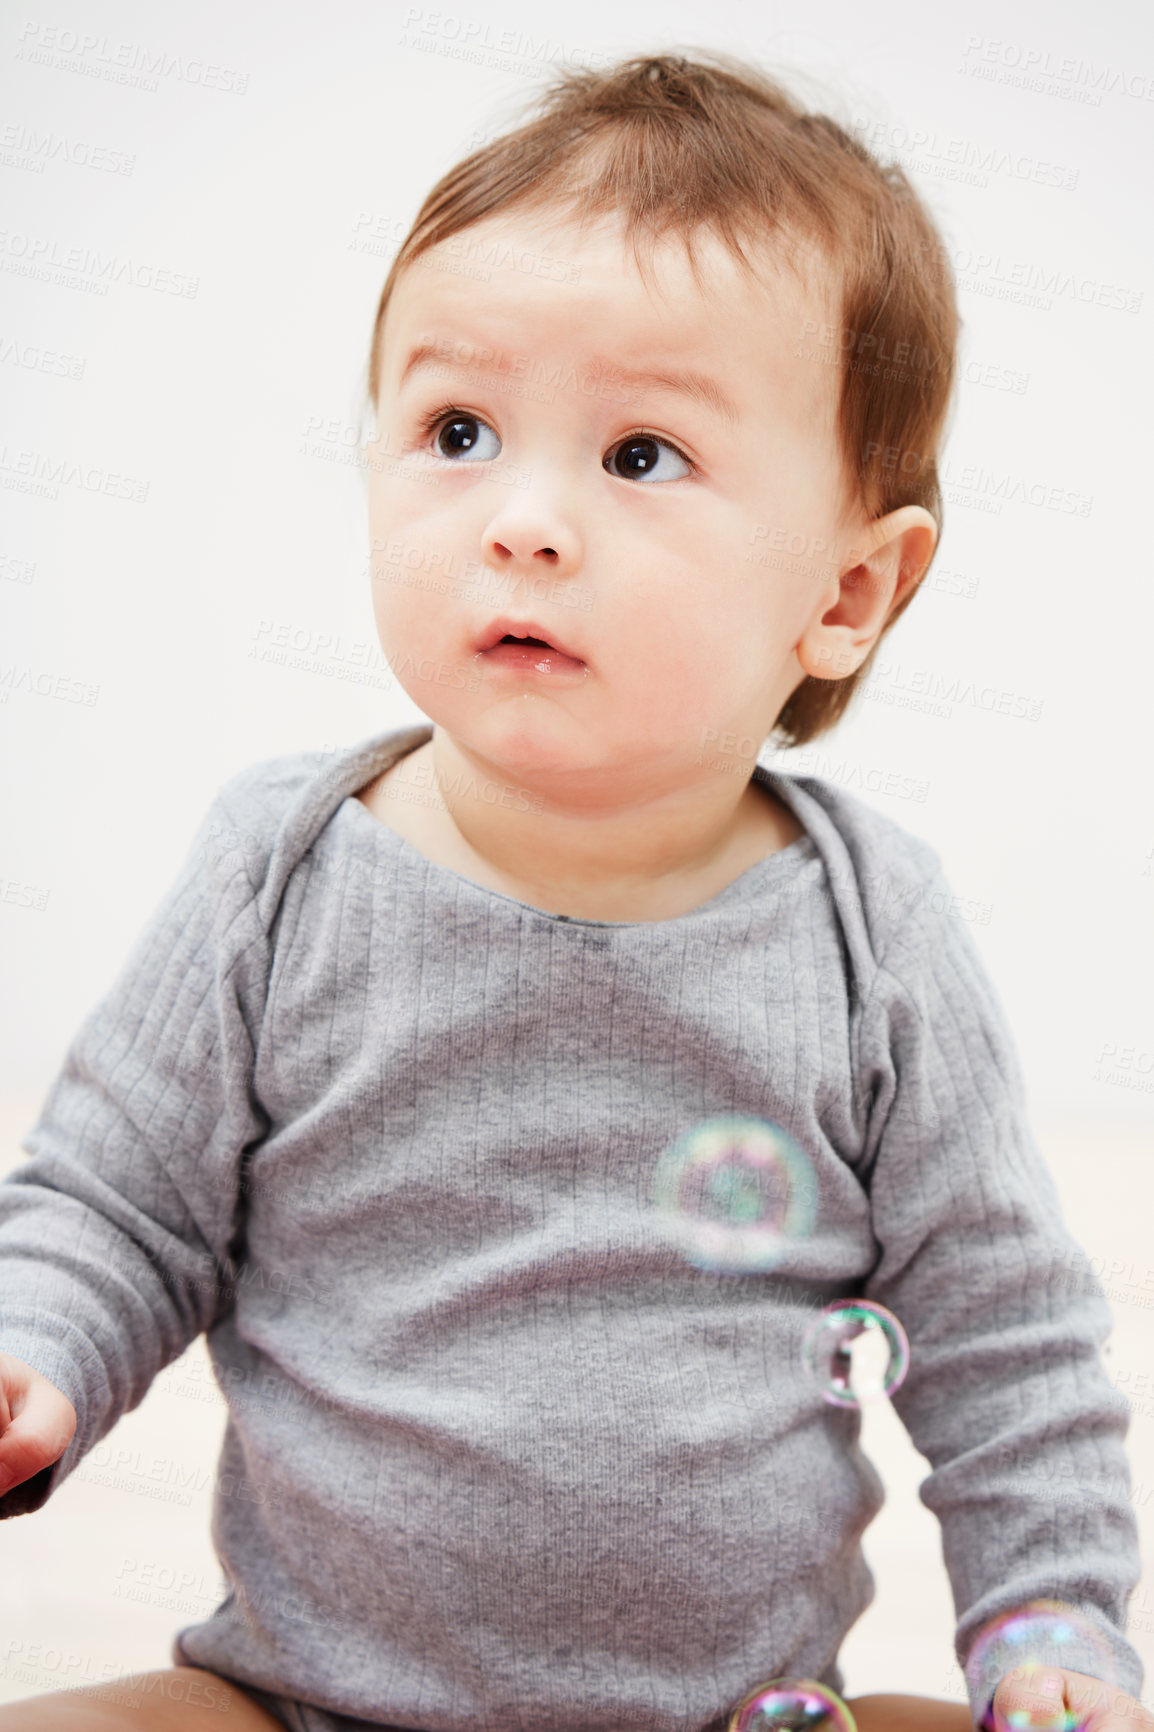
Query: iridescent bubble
x=734, y=1192
x=792, y=1705
x=1037, y=1639
x=878, y=1367
x=1046, y=1710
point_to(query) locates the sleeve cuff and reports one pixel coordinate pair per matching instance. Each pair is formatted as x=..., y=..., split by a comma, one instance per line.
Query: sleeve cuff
x=61, y=1362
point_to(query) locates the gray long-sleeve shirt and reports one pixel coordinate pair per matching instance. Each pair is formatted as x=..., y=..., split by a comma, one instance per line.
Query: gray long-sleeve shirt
x=498, y=1453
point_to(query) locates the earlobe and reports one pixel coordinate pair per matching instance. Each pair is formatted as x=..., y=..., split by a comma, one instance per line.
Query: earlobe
x=830, y=661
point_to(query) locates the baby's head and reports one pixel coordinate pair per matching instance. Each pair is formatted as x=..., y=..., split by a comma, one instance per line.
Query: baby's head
x=719, y=549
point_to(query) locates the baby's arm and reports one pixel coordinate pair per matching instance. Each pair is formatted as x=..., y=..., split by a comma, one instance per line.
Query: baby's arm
x=116, y=1235
x=1006, y=1393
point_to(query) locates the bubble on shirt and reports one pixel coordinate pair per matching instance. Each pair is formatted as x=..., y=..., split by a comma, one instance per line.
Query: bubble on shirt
x=856, y=1352
x=1034, y=1640
x=792, y=1705
x=734, y=1193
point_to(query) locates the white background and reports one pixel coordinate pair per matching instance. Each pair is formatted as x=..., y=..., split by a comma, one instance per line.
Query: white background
x=232, y=404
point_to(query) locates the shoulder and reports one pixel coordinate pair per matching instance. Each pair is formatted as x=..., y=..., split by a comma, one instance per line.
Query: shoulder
x=260, y=794
x=917, y=932
x=266, y=817
x=250, y=807
x=878, y=870
x=211, y=912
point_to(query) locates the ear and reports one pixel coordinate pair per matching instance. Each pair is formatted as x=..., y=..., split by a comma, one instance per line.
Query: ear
x=875, y=578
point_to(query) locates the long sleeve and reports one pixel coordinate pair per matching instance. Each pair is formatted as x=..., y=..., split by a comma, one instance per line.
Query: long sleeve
x=1006, y=1394
x=116, y=1236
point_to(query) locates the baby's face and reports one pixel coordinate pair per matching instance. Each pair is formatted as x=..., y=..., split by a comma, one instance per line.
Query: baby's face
x=522, y=473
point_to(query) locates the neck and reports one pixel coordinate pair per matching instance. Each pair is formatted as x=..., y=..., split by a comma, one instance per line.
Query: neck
x=591, y=838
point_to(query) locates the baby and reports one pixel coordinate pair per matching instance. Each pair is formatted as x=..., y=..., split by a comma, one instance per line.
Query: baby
x=376, y=1104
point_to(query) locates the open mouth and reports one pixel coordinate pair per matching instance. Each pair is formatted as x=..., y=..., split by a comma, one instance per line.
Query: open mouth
x=506, y=632
x=527, y=652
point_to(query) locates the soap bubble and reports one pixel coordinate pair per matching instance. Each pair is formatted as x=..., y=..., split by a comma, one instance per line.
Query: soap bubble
x=1037, y=1639
x=1046, y=1710
x=879, y=1366
x=792, y=1705
x=733, y=1192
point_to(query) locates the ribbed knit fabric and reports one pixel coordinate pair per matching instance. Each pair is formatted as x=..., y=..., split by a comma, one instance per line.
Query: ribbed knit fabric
x=498, y=1453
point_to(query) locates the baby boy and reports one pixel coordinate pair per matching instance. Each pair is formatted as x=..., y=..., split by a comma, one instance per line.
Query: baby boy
x=659, y=381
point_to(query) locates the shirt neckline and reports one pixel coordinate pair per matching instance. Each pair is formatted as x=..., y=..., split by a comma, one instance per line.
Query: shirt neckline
x=399, y=743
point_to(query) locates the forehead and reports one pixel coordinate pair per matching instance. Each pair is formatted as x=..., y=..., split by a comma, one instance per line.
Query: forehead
x=552, y=291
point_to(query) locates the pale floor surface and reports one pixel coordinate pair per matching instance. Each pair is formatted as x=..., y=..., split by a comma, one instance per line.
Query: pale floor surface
x=96, y=1583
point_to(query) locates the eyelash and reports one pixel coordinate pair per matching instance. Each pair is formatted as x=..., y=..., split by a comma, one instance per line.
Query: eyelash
x=433, y=419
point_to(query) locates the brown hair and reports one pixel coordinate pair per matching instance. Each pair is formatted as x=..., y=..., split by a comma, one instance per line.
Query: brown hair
x=673, y=143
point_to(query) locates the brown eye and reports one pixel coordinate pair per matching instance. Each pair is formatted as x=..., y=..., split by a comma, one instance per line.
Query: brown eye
x=460, y=435
x=640, y=455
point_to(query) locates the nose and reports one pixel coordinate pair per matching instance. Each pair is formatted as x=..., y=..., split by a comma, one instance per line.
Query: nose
x=530, y=534
x=507, y=553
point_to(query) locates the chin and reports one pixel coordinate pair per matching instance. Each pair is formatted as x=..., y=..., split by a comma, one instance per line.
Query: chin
x=526, y=732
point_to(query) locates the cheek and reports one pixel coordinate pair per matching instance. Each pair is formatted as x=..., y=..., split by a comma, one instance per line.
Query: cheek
x=404, y=616
x=408, y=563
x=417, y=538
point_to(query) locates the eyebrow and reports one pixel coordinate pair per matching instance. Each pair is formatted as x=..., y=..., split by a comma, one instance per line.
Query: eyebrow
x=682, y=381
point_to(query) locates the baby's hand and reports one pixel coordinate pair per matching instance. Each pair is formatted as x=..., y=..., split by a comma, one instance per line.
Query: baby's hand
x=1051, y=1697
x=37, y=1422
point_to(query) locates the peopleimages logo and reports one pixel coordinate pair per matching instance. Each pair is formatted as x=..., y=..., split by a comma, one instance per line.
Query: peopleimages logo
x=118, y=62
x=991, y=57
x=36, y=471
x=1018, y=279
x=37, y=360
x=922, y=149
x=24, y=147
x=42, y=256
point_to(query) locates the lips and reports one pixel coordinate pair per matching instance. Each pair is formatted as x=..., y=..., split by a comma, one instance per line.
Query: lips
x=525, y=631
